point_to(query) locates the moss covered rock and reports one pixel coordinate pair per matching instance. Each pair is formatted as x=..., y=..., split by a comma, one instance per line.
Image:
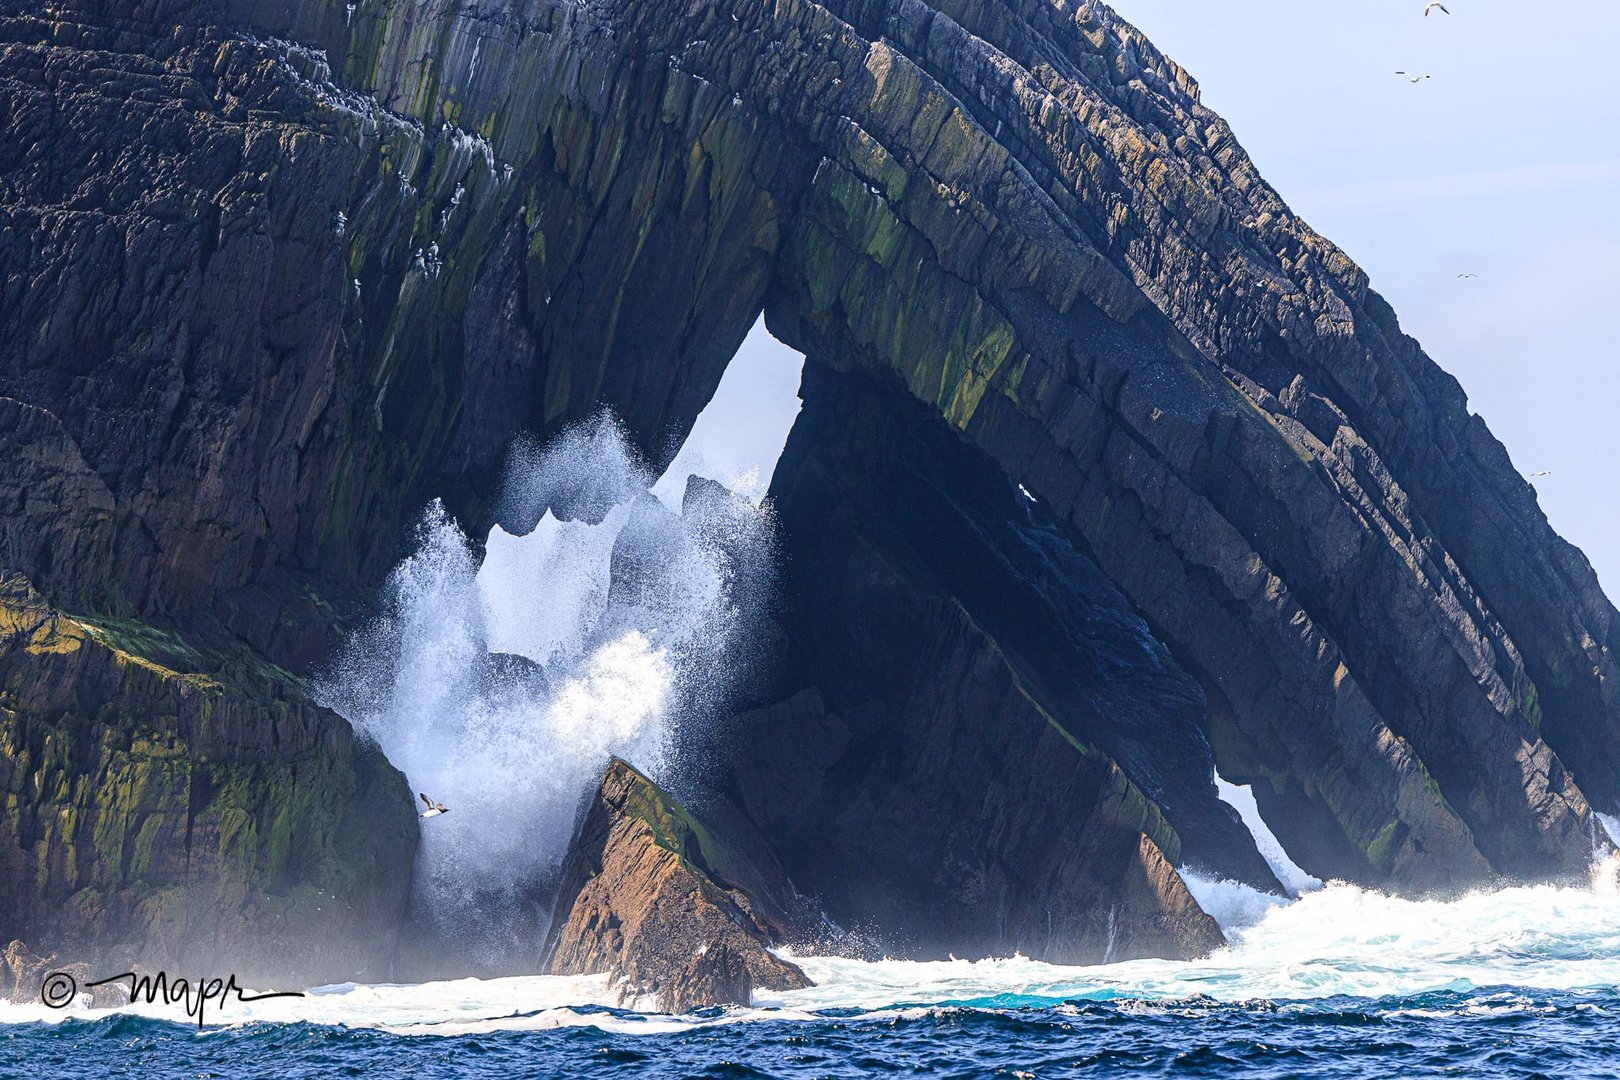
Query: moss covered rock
x=160, y=818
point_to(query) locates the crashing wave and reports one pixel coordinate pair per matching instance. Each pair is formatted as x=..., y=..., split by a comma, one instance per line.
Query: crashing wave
x=603, y=624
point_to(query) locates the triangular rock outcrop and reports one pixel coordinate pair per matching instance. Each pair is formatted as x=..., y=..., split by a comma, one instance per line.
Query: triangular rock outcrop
x=650, y=894
x=278, y=273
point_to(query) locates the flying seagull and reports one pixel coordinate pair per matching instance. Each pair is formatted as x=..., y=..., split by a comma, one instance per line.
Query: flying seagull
x=1543, y=472
x=1433, y=4
x=1467, y=275
x=434, y=809
x=1413, y=78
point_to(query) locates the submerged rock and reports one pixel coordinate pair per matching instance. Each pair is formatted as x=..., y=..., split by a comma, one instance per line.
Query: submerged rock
x=651, y=895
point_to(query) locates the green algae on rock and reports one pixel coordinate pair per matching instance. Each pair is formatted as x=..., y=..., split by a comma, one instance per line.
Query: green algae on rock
x=158, y=818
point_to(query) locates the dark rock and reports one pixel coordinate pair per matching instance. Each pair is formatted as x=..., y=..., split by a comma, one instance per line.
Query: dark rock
x=517, y=674
x=220, y=409
x=863, y=468
x=936, y=770
x=161, y=819
x=27, y=978
x=657, y=898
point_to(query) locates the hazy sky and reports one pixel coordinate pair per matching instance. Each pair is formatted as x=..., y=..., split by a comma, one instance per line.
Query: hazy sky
x=739, y=435
x=1505, y=164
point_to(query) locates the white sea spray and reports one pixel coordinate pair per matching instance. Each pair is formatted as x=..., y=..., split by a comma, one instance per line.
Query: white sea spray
x=502, y=685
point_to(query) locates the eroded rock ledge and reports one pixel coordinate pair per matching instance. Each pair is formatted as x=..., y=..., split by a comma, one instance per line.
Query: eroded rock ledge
x=164, y=819
x=652, y=895
x=273, y=273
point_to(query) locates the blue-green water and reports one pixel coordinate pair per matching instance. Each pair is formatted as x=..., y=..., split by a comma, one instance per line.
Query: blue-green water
x=1498, y=1031
x=1339, y=983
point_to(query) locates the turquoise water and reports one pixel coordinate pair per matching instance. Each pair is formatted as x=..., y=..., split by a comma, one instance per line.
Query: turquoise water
x=1481, y=1033
x=1341, y=982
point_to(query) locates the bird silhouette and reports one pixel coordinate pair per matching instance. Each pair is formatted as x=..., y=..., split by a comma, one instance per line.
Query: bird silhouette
x=1434, y=4
x=1413, y=78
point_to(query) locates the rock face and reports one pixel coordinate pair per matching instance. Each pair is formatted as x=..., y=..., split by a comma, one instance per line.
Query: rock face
x=655, y=897
x=24, y=980
x=161, y=819
x=980, y=740
x=273, y=274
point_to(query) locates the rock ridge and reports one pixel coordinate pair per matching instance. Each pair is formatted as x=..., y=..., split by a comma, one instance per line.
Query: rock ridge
x=645, y=898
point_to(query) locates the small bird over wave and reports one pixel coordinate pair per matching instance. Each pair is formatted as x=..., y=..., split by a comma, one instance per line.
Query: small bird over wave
x=1543, y=472
x=434, y=809
x=1435, y=5
x=1413, y=78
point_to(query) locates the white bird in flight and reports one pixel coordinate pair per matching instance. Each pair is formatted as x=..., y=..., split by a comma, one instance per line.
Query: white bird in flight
x=434, y=809
x=1412, y=77
x=1543, y=472
x=1465, y=275
x=1433, y=4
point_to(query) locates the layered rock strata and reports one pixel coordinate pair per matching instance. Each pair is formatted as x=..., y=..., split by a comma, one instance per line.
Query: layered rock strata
x=673, y=911
x=980, y=742
x=165, y=820
x=274, y=274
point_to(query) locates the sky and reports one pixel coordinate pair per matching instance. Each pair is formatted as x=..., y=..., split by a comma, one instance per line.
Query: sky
x=1504, y=164
x=739, y=435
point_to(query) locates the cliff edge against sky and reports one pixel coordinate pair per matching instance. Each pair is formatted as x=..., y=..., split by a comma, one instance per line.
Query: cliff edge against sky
x=274, y=274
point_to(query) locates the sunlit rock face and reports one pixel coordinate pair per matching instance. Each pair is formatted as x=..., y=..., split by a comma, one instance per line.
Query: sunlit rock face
x=278, y=274
x=680, y=917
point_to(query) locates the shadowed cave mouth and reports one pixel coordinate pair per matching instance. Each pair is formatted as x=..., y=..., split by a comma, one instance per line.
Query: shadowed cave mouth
x=617, y=613
x=887, y=515
x=620, y=612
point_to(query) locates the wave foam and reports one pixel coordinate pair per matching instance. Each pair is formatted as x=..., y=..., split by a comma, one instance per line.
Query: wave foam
x=1338, y=941
x=501, y=686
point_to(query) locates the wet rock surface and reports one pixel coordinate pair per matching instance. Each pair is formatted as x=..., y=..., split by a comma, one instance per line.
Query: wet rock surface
x=272, y=275
x=656, y=897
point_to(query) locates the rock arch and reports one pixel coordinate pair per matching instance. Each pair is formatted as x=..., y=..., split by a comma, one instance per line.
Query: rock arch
x=337, y=257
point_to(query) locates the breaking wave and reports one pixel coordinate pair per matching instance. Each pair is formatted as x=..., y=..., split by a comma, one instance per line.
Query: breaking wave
x=1335, y=944
x=604, y=623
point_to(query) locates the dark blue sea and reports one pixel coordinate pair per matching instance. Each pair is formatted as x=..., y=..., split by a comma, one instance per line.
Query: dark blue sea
x=1488, y=1032
x=1340, y=983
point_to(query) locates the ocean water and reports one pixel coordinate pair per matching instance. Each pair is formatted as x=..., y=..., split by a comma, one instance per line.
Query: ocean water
x=1339, y=982
x=628, y=617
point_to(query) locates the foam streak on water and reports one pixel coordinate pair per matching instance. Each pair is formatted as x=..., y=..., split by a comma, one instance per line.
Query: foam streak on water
x=1337, y=942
